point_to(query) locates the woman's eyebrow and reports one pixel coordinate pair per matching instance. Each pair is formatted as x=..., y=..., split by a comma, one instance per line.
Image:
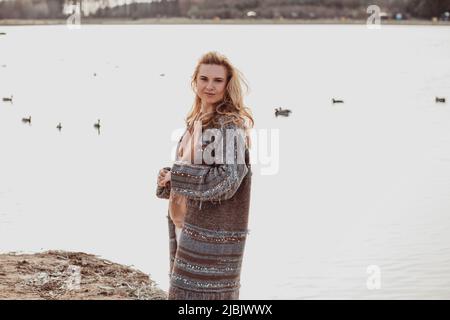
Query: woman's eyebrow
x=217, y=78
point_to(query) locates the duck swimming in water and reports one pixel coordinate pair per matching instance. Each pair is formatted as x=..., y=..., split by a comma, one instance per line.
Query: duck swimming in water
x=27, y=120
x=337, y=101
x=282, y=112
x=6, y=99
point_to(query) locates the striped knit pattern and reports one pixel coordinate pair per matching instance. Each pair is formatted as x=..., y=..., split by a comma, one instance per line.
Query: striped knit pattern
x=213, y=182
x=206, y=263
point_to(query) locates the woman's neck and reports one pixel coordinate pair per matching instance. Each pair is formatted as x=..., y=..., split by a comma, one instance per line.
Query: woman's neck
x=206, y=108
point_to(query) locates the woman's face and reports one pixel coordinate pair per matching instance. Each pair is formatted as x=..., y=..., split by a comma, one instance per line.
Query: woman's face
x=211, y=83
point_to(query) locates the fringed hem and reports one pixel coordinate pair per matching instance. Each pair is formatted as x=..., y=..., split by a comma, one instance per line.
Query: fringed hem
x=176, y=293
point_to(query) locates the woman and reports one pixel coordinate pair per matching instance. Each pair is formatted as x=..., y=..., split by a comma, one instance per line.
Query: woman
x=209, y=200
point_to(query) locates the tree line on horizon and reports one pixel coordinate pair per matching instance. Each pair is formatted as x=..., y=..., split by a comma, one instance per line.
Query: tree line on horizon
x=228, y=9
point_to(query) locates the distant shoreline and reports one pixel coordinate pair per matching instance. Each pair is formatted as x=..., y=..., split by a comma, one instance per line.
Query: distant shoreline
x=186, y=21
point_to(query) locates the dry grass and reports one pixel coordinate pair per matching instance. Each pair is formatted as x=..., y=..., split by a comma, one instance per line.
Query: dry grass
x=53, y=275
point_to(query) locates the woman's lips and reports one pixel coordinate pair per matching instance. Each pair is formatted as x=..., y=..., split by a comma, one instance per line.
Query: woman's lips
x=210, y=94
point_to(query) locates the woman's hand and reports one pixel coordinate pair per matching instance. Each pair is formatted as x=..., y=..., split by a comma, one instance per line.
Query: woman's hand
x=163, y=177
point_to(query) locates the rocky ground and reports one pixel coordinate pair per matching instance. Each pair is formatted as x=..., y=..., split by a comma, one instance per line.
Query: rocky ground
x=60, y=275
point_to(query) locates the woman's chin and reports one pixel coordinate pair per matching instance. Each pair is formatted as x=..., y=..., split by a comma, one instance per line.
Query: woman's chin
x=210, y=100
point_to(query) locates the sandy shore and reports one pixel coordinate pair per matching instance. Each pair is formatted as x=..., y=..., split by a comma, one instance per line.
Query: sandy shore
x=175, y=21
x=60, y=275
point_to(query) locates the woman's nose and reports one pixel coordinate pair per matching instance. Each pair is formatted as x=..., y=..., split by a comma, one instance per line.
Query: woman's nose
x=210, y=86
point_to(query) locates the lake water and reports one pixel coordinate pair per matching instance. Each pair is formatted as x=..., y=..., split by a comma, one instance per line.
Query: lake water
x=357, y=202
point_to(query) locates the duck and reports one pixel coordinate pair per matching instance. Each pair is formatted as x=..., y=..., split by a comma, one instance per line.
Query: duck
x=6, y=99
x=97, y=125
x=282, y=112
x=337, y=101
x=441, y=100
x=25, y=120
x=59, y=127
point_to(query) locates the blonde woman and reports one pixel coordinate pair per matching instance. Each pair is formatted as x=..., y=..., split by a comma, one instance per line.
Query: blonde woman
x=208, y=186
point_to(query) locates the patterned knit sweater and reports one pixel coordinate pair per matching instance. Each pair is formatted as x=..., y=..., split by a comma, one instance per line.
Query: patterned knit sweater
x=206, y=263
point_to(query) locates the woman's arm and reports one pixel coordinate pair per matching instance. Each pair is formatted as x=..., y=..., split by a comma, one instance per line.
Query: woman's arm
x=217, y=181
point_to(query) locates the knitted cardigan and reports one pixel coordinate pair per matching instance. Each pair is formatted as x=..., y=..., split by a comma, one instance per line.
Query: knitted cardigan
x=206, y=263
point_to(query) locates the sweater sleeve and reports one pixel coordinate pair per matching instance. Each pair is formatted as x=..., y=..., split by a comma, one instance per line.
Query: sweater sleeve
x=163, y=192
x=220, y=179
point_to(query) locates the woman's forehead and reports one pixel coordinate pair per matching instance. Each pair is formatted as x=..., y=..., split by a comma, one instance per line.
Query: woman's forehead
x=212, y=70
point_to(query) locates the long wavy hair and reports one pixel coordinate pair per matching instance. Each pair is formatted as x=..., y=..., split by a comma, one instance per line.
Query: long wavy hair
x=232, y=104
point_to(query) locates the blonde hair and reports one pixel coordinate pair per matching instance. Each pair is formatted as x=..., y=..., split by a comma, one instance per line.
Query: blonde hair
x=232, y=104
